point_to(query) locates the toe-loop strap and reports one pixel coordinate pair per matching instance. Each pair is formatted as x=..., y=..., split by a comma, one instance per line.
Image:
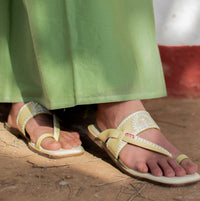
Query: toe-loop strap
x=180, y=158
x=55, y=135
x=41, y=138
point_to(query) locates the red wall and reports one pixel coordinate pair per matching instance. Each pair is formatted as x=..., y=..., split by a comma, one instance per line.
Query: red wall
x=181, y=66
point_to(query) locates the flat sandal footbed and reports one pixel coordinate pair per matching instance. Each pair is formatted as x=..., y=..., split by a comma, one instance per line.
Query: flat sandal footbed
x=130, y=128
x=29, y=111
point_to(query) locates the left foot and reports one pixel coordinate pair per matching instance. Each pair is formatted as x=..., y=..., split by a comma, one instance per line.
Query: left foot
x=110, y=115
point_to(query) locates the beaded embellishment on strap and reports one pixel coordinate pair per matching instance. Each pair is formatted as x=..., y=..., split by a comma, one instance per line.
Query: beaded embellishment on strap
x=137, y=122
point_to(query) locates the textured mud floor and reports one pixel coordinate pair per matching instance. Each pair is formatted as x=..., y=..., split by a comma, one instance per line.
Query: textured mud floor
x=24, y=175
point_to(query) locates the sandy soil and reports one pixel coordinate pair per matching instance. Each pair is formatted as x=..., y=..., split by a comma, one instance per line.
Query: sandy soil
x=25, y=175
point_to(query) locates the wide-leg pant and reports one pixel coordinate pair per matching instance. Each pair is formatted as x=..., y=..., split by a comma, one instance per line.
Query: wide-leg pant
x=63, y=53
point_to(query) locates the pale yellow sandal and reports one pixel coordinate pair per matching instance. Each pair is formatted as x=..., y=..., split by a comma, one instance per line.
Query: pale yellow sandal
x=113, y=140
x=30, y=110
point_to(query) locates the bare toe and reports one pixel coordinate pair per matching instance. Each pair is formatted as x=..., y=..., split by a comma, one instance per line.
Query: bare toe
x=69, y=140
x=179, y=170
x=50, y=144
x=141, y=166
x=154, y=168
x=189, y=166
x=166, y=168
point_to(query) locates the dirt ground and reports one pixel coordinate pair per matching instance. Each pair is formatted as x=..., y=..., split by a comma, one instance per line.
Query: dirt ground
x=24, y=175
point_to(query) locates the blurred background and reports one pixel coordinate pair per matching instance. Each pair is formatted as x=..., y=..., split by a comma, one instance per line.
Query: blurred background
x=178, y=36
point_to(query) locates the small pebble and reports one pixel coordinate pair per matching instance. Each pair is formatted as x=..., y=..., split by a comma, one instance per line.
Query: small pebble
x=63, y=183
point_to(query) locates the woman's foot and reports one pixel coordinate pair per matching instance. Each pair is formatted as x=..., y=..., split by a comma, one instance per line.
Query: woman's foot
x=110, y=115
x=41, y=124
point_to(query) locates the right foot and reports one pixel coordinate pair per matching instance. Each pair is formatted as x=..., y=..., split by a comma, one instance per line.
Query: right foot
x=41, y=124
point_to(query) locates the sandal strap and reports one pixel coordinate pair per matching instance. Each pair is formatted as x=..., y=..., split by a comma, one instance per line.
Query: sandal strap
x=56, y=128
x=127, y=132
x=137, y=123
x=181, y=157
x=30, y=110
x=27, y=112
x=118, y=139
x=41, y=138
x=55, y=135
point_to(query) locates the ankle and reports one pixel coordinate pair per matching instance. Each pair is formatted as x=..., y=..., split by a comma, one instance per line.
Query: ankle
x=110, y=115
x=12, y=116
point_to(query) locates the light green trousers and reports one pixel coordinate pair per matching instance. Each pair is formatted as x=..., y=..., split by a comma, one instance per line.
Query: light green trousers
x=63, y=53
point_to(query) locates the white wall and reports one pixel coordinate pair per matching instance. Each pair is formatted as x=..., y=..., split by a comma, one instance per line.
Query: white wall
x=177, y=22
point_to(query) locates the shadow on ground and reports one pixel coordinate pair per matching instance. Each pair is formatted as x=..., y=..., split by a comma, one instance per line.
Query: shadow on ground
x=25, y=175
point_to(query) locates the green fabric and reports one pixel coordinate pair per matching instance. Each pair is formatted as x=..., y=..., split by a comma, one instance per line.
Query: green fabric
x=63, y=53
